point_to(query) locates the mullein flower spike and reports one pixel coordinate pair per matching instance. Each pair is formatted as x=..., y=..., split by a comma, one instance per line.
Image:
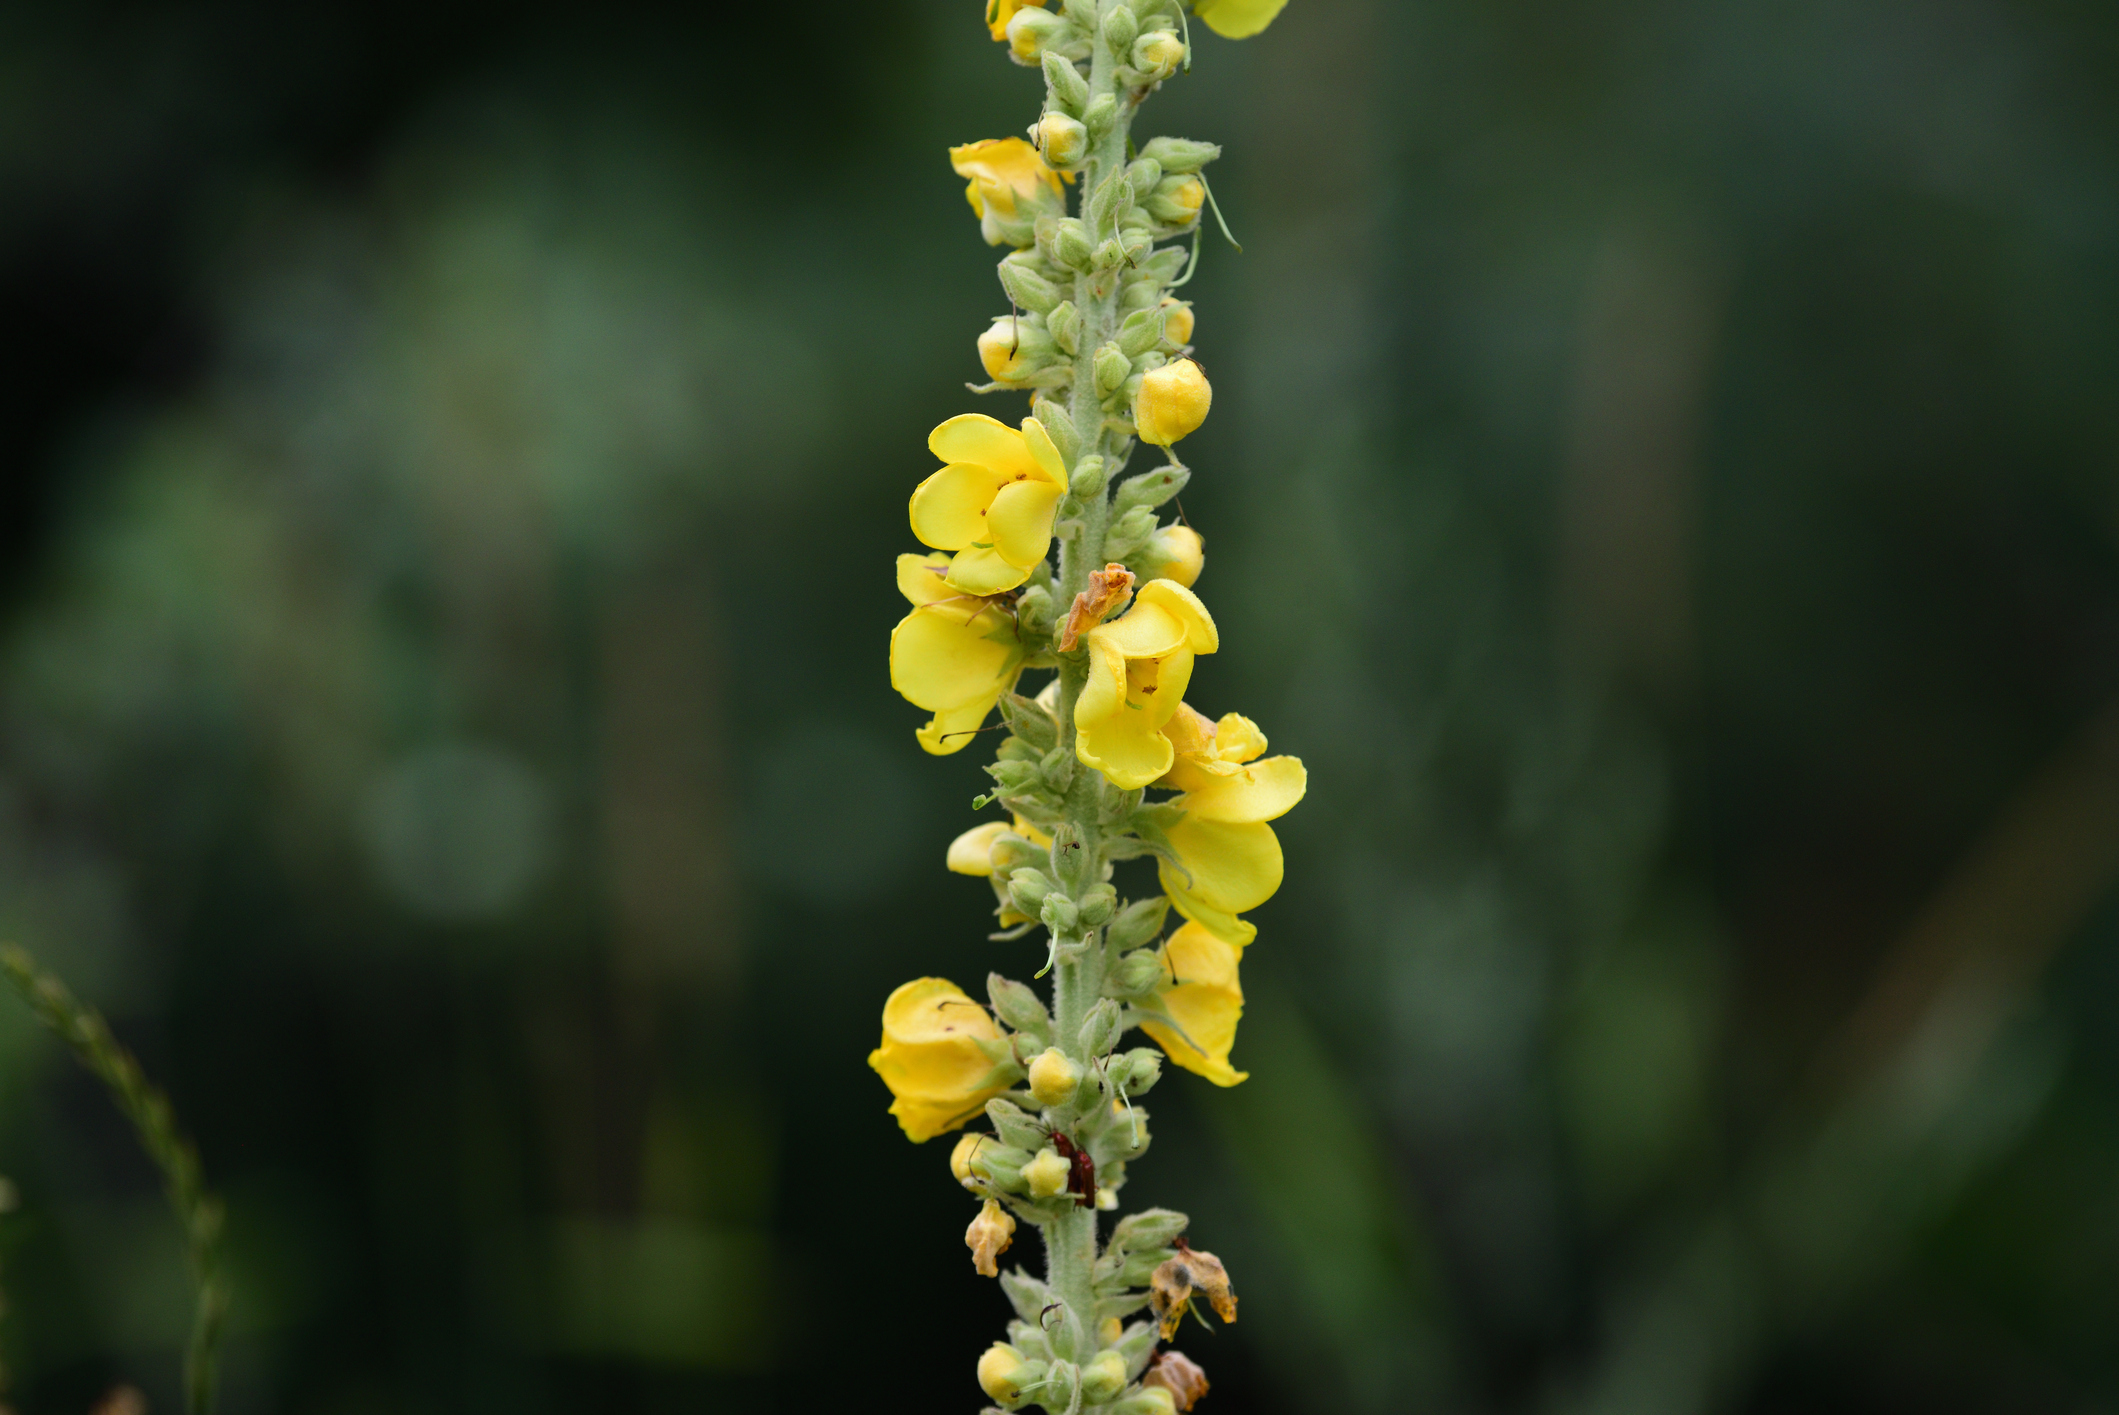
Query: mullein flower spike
x=1103, y=762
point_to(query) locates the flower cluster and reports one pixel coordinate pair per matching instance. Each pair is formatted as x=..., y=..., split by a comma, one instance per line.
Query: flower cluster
x=1106, y=762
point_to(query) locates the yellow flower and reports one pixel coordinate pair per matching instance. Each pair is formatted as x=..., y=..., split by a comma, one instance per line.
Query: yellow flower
x=1001, y=1372
x=1139, y=665
x=932, y=1060
x=1046, y=1174
x=1178, y=321
x=1000, y=12
x=1224, y=841
x=992, y=504
x=1004, y=172
x=953, y=655
x=1235, y=19
x=1172, y=403
x=988, y=1237
x=1205, y=1000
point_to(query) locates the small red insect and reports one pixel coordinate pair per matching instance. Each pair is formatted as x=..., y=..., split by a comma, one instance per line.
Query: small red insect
x=1081, y=1174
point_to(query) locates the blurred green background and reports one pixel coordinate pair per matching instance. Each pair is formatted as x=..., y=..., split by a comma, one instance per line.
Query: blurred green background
x=1661, y=481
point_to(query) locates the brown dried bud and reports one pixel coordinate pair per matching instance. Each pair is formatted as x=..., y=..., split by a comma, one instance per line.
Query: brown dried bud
x=988, y=1237
x=1107, y=590
x=1179, y=1375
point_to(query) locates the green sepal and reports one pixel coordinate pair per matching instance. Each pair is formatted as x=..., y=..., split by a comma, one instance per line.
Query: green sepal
x=1100, y=1028
x=1069, y=90
x=1098, y=117
x=1029, y=289
x=1015, y=1126
x=1138, y=922
x=1150, y=1228
x=1030, y=723
x=1064, y=322
x=1142, y=331
x=1018, y=1005
x=1181, y=155
x=1139, y=973
x=1121, y=28
x=1150, y=489
x=1058, y=422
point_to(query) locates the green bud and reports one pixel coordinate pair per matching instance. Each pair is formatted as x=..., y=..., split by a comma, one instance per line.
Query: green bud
x=1108, y=256
x=1144, y=1067
x=1180, y=154
x=1142, y=176
x=1089, y=477
x=1099, y=1029
x=1071, y=245
x=1017, y=750
x=1098, y=903
x=1058, y=913
x=1150, y=489
x=1130, y=533
x=1056, y=768
x=1150, y=1229
x=1165, y=265
x=1017, y=1005
x=1103, y=1378
x=1014, y=776
x=1082, y=12
x=1138, y=922
x=1029, y=889
x=1141, y=332
x=1059, y=423
x=1101, y=209
x=1069, y=90
x=1070, y=856
x=1098, y=117
x=1134, y=295
x=1033, y=611
x=1136, y=974
x=1028, y=288
x=1014, y=1126
x=1149, y=1400
x=1026, y=1294
x=1029, y=722
x=1012, y=853
x=1061, y=1379
x=1112, y=368
x=1064, y=323
x=1120, y=27
x=1000, y=1166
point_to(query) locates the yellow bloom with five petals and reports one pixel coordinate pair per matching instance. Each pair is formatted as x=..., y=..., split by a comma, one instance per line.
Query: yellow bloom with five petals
x=1204, y=999
x=1223, y=841
x=992, y=503
x=954, y=655
x=938, y=1057
x=1139, y=666
x=1236, y=19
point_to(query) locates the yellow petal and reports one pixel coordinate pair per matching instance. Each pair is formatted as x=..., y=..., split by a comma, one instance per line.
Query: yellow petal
x=937, y=660
x=1237, y=19
x=1235, y=866
x=948, y=510
x=1205, y=999
x=1147, y=630
x=931, y=1058
x=976, y=438
x=1262, y=791
x=954, y=729
x=1019, y=523
x=1000, y=12
x=1222, y=924
x=1185, y=607
x=982, y=570
x=1116, y=730
x=1044, y=453
x=972, y=852
x=923, y=1120
x=1237, y=738
x=920, y=578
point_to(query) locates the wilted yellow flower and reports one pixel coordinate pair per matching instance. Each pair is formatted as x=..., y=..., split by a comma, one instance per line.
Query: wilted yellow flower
x=992, y=504
x=1139, y=666
x=1235, y=19
x=989, y=1236
x=1204, y=999
x=1172, y=403
x=1000, y=12
x=1179, y=1375
x=932, y=1060
x=954, y=655
x=1003, y=173
x=1223, y=841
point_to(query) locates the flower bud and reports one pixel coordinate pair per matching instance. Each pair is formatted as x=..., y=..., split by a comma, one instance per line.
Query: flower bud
x=1177, y=321
x=1057, y=769
x=1003, y=1372
x=1046, y=1174
x=1053, y=416
x=1172, y=402
x=1176, y=200
x=1180, y=154
x=1064, y=324
x=1011, y=853
x=1112, y=368
x=1071, y=245
x=1028, y=288
x=1143, y=1068
x=1059, y=914
x=1138, y=922
x=1172, y=553
x=1099, y=1029
x=1142, y=175
x=1178, y=1375
x=1028, y=888
x=1103, y=1378
x=1098, y=904
x=1148, y=1400
x=1062, y=141
x=1053, y=1077
x=1108, y=256
x=1130, y=532
x=1013, y=1126
x=1068, y=89
x=1099, y=116
x=1030, y=31
x=1089, y=477
x=989, y=1236
x=1142, y=331
x=1147, y=1230
x=1017, y=1005
x=960, y=1157
x=1016, y=348
x=1158, y=52
x=1137, y=974
x=1120, y=27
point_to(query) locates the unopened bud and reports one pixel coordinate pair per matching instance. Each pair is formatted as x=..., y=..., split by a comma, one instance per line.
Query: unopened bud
x=989, y=1236
x=1109, y=255
x=1177, y=322
x=1053, y=1077
x=1029, y=888
x=1028, y=288
x=1059, y=914
x=1017, y=1005
x=1172, y=553
x=1147, y=1230
x=1030, y=31
x=1089, y=477
x=1098, y=903
x=1014, y=1126
x=1141, y=176
x=1138, y=922
x=1142, y=331
x=1070, y=855
x=1180, y=154
x=1064, y=324
x=1137, y=974
x=1112, y=368
x=1064, y=82
x=1003, y=1372
x=1099, y=116
x=1099, y=1029
x=1158, y=52
x=1011, y=853
x=1130, y=532
x=1071, y=245
x=1172, y=402
x=1179, y=1375
x=1016, y=348
x=1103, y=1378
x=1046, y=1174
x=1120, y=26
x=1143, y=1068
x=1062, y=141
x=1176, y=200
x=960, y=1157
